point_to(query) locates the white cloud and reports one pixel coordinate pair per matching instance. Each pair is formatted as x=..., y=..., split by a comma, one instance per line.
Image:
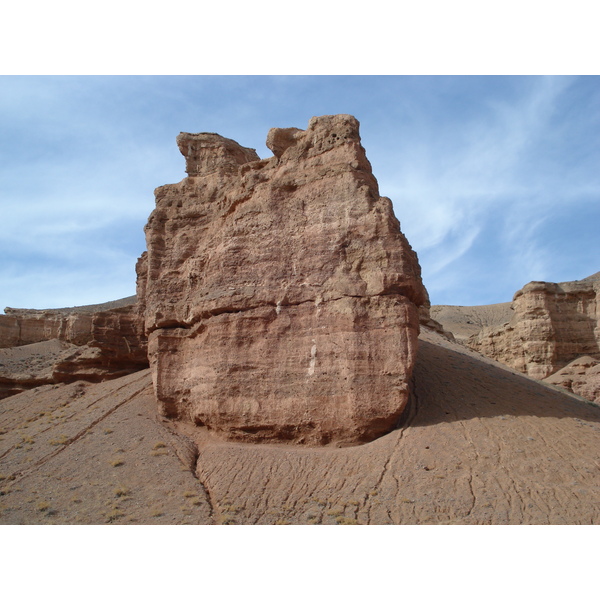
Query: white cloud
x=471, y=176
x=445, y=202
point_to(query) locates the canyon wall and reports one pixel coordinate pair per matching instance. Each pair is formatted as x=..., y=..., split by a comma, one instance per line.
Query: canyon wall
x=552, y=325
x=55, y=346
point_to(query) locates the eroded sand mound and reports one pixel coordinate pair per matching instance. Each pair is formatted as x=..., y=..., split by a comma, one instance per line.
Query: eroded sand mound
x=482, y=444
x=465, y=321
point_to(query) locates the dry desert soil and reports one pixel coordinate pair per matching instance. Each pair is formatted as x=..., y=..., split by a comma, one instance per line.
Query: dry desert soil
x=480, y=444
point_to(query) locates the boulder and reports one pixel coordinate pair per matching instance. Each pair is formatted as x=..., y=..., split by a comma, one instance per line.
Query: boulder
x=281, y=299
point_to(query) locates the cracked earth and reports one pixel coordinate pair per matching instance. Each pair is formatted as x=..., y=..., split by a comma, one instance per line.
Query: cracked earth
x=479, y=444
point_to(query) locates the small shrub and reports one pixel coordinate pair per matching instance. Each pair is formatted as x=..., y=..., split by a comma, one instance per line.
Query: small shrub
x=117, y=462
x=121, y=491
x=159, y=445
x=114, y=514
x=42, y=506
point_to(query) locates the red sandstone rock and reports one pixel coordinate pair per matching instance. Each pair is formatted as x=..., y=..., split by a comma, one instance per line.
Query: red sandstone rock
x=64, y=345
x=280, y=296
x=552, y=324
x=581, y=376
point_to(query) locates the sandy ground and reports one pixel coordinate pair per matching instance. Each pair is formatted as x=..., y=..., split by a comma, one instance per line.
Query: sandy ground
x=480, y=444
x=26, y=367
x=465, y=321
x=35, y=360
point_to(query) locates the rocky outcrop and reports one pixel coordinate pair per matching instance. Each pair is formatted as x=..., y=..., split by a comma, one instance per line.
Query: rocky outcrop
x=64, y=345
x=552, y=325
x=19, y=327
x=76, y=325
x=280, y=296
x=581, y=376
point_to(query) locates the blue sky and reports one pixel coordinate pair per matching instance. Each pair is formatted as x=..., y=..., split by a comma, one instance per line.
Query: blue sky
x=495, y=179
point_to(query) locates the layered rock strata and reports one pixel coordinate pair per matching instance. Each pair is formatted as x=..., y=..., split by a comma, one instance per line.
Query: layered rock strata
x=552, y=325
x=581, y=376
x=280, y=296
x=64, y=345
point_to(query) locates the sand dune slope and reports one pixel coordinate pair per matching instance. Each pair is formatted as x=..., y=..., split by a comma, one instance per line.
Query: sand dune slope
x=481, y=444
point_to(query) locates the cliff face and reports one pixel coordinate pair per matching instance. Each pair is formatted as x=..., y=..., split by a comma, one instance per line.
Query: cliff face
x=552, y=325
x=280, y=297
x=22, y=327
x=55, y=346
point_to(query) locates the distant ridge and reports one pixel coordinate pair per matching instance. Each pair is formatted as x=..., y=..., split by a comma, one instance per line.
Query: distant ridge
x=88, y=308
x=594, y=277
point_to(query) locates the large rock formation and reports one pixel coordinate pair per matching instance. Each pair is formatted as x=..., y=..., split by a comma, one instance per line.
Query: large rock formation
x=92, y=343
x=552, y=325
x=280, y=296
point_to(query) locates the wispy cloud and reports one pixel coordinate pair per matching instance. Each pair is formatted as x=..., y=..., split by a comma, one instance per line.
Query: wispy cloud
x=477, y=169
x=492, y=170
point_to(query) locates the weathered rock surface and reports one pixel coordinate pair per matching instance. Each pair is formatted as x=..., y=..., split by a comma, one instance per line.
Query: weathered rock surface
x=280, y=296
x=552, y=324
x=581, y=376
x=22, y=326
x=38, y=347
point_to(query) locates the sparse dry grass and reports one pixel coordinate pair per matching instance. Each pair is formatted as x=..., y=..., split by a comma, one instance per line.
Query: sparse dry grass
x=114, y=514
x=60, y=441
x=226, y=520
